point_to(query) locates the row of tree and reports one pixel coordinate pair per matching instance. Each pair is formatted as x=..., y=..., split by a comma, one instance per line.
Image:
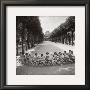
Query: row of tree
x=64, y=33
x=28, y=32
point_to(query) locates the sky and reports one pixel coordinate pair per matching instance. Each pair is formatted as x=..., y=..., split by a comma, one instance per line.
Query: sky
x=49, y=23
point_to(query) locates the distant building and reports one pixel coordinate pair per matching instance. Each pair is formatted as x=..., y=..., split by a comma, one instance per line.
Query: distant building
x=46, y=35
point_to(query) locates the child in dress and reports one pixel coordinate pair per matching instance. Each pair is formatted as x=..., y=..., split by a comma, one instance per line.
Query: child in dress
x=42, y=60
x=47, y=58
x=66, y=57
x=71, y=56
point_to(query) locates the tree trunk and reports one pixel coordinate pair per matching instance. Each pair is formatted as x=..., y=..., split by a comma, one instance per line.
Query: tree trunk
x=72, y=38
x=16, y=49
x=22, y=47
x=28, y=45
x=32, y=44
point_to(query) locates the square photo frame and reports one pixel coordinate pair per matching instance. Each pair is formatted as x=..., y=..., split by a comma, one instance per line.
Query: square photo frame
x=44, y=44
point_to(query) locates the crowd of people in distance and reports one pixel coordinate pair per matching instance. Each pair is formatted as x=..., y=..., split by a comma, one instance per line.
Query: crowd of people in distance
x=48, y=59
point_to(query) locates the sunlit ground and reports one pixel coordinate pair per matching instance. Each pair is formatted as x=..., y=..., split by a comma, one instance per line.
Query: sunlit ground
x=68, y=69
x=47, y=46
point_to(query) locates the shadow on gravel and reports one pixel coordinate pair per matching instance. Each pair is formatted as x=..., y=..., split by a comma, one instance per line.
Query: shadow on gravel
x=68, y=69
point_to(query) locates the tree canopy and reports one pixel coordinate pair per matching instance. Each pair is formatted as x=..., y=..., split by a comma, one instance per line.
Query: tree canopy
x=28, y=29
x=63, y=30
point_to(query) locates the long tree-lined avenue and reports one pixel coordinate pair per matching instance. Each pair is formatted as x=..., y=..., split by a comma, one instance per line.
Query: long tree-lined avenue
x=44, y=53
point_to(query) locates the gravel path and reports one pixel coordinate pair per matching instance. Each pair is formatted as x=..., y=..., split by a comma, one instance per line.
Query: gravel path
x=48, y=46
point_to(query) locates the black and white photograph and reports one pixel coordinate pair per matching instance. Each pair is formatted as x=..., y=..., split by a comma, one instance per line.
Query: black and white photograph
x=45, y=45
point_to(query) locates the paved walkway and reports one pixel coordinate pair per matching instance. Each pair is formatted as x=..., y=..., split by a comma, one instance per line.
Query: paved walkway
x=51, y=47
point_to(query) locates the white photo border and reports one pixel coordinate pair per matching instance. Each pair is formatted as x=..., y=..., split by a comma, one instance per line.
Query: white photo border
x=78, y=12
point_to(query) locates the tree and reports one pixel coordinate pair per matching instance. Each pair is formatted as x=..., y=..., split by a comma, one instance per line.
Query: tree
x=61, y=32
x=34, y=30
x=28, y=28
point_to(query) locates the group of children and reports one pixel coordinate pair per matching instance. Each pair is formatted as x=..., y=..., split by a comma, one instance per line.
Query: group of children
x=49, y=58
